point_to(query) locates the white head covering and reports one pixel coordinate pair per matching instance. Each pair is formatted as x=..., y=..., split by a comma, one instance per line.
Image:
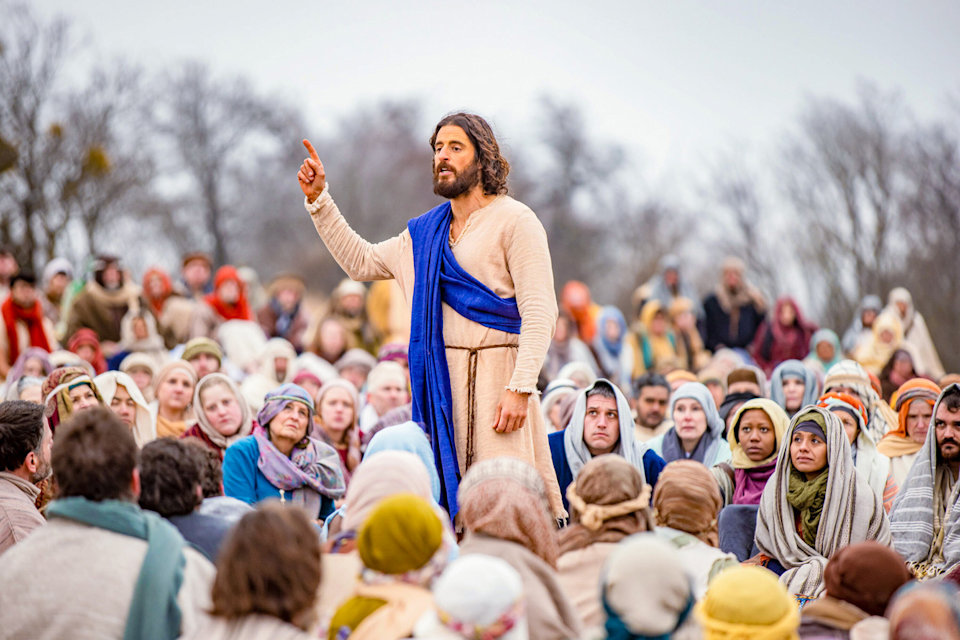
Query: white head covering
x=477, y=596
x=645, y=568
x=144, y=428
x=628, y=447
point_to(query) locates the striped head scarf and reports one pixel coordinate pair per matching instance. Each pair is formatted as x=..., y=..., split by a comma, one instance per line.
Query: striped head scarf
x=850, y=375
x=898, y=442
x=926, y=529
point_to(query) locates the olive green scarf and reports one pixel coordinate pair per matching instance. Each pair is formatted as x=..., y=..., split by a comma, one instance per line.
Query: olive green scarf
x=808, y=497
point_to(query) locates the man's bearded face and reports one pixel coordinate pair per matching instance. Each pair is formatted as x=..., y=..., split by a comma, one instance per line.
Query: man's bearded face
x=450, y=183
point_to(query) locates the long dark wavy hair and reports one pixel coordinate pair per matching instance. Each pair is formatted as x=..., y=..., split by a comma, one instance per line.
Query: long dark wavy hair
x=494, y=168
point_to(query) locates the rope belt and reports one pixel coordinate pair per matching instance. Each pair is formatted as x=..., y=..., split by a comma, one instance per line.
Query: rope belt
x=472, y=358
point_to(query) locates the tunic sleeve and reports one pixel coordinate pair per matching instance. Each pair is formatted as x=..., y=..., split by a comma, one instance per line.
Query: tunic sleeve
x=528, y=260
x=361, y=260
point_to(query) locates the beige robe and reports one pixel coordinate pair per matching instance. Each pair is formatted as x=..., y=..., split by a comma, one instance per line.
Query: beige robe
x=504, y=246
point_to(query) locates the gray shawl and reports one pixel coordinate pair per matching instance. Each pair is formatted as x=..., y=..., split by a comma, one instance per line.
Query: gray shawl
x=852, y=512
x=628, y=446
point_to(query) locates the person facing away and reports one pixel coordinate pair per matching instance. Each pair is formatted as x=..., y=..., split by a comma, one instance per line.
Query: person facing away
x=473, y=367
x=171, y=485
x=925, y=520
x=101, y=567
x=25, y=443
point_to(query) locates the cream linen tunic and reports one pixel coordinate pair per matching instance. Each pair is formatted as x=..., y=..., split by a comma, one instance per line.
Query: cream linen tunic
x=504, y=246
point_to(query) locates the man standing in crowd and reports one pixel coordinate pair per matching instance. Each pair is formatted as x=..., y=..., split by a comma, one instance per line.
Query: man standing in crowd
x=195, y=272
x=481, y=331
x=653, y=395
x=22, y=322
x=734, y=311
x=101, y=567
x=25, y=443
x=925, y=518
x=103, y=303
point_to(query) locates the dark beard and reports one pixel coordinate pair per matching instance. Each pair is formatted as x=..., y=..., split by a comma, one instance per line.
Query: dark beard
x=462, y=182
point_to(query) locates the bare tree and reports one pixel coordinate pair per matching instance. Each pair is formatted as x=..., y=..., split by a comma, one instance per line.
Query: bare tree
x=844, y=175
x=209, y=130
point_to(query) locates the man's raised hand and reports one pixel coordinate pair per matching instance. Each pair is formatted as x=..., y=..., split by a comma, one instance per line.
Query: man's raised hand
x=311, y=176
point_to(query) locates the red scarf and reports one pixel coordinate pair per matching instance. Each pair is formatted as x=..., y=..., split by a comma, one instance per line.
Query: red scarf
x=240, y=310
x=32, y=317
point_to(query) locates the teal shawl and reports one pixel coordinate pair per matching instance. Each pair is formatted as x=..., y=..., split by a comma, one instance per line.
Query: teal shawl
x=154, y=612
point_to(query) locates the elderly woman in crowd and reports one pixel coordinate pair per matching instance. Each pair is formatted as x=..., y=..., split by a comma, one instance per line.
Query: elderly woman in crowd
x=478, y=596
x=747, y=602
x=913, y=402
x=276, y=366
x=646, y=592
x=793, y=386
x=386, y=474
x=282, y=461
x=66, y=391
x=264, y=589
x=686, y=503
x=871, y=465
x=609, y=501
x=223, y=416
x=404, y=546
x=504, y=508
x=336, y=422
x=174, y=393
x=816, y=503
x=697, y=431
x=121, y=394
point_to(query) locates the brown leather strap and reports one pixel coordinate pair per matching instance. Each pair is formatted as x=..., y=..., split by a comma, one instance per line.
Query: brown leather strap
x=472, y=360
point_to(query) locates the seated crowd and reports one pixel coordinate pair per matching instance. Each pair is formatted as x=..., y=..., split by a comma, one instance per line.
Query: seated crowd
x=212, y=459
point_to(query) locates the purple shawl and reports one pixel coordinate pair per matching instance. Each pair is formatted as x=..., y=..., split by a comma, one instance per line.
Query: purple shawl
x=311, y=465
x=749, y=483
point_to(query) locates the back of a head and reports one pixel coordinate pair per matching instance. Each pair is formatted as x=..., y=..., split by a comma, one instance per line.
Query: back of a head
x=21, y=432
x=269, y=565
x=747, y=602
x=169, y=477
x=925, y=611
x=687, y=499
x=644, y=588
x=211, y=472
x=94, y=456
x=481, y=596
x=866, y=574
x=401, y=534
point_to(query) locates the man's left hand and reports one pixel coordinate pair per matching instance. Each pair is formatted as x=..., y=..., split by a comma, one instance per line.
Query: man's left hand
x=511, y=412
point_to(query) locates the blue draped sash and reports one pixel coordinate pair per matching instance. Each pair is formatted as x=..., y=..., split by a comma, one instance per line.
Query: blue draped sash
x=438, y=278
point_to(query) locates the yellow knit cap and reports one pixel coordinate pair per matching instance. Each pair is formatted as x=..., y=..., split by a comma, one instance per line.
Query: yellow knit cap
x=401, y=534
x=748, y=603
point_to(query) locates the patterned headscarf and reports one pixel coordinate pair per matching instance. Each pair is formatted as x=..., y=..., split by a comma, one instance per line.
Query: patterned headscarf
x=850, y=374
x=56, y=393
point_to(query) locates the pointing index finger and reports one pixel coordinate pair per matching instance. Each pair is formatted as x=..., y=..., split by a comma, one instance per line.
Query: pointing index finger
x=311, y=150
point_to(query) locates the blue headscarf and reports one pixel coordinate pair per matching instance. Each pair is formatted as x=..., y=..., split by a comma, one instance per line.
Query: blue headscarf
x=407, y=437
x=275, y=401
x=611, y=313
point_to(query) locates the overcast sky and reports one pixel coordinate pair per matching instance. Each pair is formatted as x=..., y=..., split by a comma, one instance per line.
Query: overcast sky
x=675, y=81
